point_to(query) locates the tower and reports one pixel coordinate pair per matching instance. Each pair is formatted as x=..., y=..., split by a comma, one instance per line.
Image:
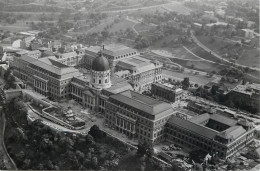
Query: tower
x=100, y=73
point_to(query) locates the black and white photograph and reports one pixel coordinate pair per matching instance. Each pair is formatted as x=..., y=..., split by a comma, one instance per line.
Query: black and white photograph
x=130, y=85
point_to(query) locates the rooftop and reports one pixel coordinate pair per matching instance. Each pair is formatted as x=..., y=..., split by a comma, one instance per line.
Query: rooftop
x=217, y=24
x=232, y=132
x=119, y=87
x=117, y=50
x=168, y=87
x=136, y=63
x=50, y=65
x=193, y=127
x=142, y=102
x=69, y=54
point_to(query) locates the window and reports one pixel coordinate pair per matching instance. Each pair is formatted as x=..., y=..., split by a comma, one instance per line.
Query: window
x=106, y=81
x=99, y=82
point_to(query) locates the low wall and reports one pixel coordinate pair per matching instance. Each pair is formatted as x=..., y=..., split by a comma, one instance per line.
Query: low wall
x=29, y=97
x=53, y=118
x=159, y=161
x=10, y=94
x=3, y=133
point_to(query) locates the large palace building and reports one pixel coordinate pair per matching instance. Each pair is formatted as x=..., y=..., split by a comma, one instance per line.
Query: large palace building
x=112, y=87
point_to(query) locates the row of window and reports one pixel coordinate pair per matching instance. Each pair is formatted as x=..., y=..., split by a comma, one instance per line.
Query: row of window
x=122, y=56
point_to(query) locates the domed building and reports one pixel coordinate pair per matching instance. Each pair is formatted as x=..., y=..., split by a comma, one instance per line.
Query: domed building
x=100, y=72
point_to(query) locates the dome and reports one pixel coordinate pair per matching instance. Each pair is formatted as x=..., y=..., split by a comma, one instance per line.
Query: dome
x=100, y=63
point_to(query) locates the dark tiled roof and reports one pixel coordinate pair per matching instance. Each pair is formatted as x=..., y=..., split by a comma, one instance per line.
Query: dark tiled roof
x=200, y=118
x=193, y=127
x=100, y=63
x=142, y=102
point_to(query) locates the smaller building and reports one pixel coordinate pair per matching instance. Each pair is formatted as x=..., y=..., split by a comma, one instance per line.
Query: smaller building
x=197, y=26
x=166, y=92
x=34, y=54
x=248, y=95
x=250, y=24
x=248, y=33
x=197, y=107
x=70, y=58
x=142, y=72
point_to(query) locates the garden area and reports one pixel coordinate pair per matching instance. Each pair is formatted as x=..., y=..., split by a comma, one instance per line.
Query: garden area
x=38, y=147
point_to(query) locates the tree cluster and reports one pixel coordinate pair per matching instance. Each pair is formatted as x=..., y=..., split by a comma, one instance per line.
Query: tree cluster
x=36, y=146
x=9, y=78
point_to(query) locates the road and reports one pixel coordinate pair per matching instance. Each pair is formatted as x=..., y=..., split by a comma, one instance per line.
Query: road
x=216, y=55
x=139, y=8
x=202, y=59
x=7, y=161
x=12, y=5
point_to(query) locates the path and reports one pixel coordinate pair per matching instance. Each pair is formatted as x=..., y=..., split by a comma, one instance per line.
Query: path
x=139, y=8
x=133, y=27
x=135, y=22
x=197, y=55
x=6, y=158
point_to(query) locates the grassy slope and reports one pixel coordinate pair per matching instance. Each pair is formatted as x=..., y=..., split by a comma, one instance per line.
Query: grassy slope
x=247, y=55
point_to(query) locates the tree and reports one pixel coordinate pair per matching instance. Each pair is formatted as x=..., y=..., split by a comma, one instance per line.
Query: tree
x=95, y=161
x=89, y=156
x=80, y=155
x=61, y=50
x=214, y=89
x=111, y=154
x=7, y=73
x=95, y=132
x=247, y=69
x=145, y=148
x=90, y=140
x=185, y=83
